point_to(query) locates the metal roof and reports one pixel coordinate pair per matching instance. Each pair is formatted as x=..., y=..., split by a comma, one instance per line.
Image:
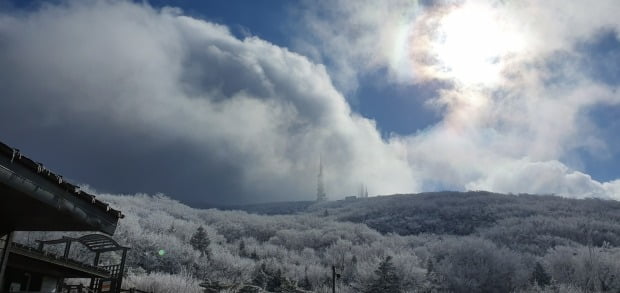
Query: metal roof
x=33, y=198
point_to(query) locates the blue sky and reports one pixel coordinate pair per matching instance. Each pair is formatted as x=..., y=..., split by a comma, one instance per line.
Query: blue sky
x=235, y=101
x=263, y=20
x=601, y=61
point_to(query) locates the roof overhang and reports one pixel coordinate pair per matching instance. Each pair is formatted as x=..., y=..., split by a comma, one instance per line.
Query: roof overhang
x=31, y=201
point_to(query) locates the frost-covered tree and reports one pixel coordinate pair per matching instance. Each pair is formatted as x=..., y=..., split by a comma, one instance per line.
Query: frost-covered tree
x=387, y=280
x=242, y=251
x=305, y=282
x=540, y=276
x=200, y=241
x=433, y=282
x=275, y=281
x=260, y=276
x=470, y=264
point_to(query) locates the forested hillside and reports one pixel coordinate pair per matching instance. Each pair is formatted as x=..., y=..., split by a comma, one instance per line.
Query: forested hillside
x=432, y=242
x=525, y=222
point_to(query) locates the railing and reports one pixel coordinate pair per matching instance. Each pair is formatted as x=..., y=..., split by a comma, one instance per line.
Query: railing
x=76, y=289
x=15, y=247
x=134, y=290
x=84, y=289
x=115, y=270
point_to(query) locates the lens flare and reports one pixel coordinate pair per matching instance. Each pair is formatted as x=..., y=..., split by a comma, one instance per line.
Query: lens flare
x=469, y=43
x=161, y=252
x=473, y=44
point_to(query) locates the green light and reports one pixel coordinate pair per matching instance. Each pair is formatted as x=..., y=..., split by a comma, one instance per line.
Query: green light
x=161, y=252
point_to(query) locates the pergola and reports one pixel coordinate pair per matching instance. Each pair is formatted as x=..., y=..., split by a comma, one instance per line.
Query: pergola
x=97, y=243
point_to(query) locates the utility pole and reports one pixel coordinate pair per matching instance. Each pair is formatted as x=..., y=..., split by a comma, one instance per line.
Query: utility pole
x=333, y=279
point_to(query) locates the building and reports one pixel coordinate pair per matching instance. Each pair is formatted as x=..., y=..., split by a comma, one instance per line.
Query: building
x=33, y=198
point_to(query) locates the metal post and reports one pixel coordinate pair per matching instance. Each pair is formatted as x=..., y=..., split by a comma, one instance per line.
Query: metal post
x=59, y=284
x=119, y=281
x=67, y=249
x=4, y=258
x=95, y=263
x=333, y=279
x=96, y=260
x=29, y=278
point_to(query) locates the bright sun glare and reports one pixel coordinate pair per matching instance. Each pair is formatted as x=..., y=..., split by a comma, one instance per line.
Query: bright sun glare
x=472, y=44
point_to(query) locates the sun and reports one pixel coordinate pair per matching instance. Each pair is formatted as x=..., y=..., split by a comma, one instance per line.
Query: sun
x=473, y=43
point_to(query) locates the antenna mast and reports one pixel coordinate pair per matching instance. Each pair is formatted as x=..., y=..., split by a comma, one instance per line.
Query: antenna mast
x=320, y=188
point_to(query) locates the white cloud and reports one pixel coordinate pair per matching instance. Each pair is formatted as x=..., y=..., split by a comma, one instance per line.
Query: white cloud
x=401, y=36
x=357, y=37
x=548, y=177
x=161, y=80
x=167, y=79
x=511, y=113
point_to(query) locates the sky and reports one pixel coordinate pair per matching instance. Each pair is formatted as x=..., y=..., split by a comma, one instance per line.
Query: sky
x=232, y=102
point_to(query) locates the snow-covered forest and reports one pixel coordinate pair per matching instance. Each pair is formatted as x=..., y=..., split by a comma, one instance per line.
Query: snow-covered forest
x=435, y=242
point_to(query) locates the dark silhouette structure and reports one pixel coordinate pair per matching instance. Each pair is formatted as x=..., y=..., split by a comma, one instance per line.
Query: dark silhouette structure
x=32, y=198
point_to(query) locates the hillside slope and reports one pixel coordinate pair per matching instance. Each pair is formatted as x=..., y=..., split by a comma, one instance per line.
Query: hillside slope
x=530, y=223
x=431, y=242
x=521, y=222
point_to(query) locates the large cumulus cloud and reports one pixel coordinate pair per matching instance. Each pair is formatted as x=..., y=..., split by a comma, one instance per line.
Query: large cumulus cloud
x=139, y=99
x=129, y=98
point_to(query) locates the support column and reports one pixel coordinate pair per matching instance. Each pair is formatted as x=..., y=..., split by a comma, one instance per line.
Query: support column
x=4, y=257
x=121, y=272
x=95, y=263
x=67, y=249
